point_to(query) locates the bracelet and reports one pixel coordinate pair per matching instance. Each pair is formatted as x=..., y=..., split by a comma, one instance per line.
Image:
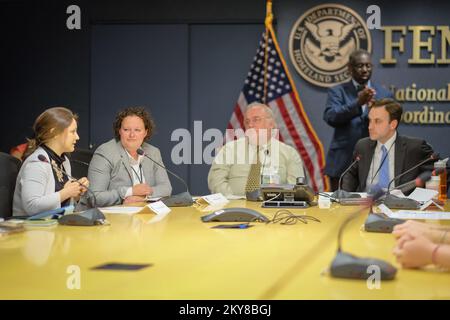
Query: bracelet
x=443, y=236
x=433, y=254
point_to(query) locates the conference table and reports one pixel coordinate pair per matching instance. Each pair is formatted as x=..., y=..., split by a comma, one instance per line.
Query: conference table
x=188, y=259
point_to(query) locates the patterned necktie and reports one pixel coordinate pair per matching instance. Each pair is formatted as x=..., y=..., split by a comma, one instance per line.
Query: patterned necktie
x=384, y=170
x=254, y=176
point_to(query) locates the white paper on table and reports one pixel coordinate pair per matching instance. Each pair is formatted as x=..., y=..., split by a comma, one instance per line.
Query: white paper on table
x=398, y=193
x=121, y=210
x=384, y=209
x=215, y=199
x=234, y=197
x=422, y=215
x=422, y=195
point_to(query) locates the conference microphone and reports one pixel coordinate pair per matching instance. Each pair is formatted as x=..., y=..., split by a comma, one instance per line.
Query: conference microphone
x=80, y=162
x=420, y=180
x=376, y=222
x=88, y=217
x=433, y=156
x=345, y=265
x=183, y=199
x=379, y=222
x=338, y=194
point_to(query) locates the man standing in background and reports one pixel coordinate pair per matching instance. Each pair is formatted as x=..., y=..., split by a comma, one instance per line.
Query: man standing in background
x=346, y=111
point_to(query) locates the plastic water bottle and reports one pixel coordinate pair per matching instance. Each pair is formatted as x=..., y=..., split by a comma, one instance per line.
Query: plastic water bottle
x=443, y=179
x=434, y=184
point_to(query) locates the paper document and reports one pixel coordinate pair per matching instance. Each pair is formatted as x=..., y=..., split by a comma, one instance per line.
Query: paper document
x=234, y=197
x=422, y=195
x=422, y=215
x=121, y=210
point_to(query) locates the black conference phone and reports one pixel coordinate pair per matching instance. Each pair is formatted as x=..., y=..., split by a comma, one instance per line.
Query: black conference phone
x=287, y=195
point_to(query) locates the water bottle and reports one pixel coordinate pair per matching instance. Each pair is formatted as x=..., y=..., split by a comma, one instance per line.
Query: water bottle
x=442, y=179
x=434, y=184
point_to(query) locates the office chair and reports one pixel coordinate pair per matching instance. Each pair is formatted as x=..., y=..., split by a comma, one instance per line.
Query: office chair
x=8, y=174
x=78, y=168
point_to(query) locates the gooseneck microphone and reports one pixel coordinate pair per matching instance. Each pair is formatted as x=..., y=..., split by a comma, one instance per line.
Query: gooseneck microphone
x=420, y=180
x=394, y=202
x=338, y=194
x=88, y=217
x=80, y=162
x=183, y=199
x=433, y=156
x=348, y=266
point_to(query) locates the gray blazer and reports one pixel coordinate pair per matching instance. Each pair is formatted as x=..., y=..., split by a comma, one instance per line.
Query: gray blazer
x=35, y=186
x=110, y=173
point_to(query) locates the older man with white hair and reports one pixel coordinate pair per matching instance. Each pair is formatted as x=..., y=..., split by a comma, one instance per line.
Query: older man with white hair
x=258, y=157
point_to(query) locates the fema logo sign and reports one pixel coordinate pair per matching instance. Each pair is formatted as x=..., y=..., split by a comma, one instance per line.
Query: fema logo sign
x=321, y=41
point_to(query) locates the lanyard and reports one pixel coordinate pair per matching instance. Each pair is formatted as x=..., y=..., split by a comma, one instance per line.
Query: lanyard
x=138, y=176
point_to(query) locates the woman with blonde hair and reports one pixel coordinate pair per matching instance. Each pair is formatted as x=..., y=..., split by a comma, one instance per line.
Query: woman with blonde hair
x=42, y=183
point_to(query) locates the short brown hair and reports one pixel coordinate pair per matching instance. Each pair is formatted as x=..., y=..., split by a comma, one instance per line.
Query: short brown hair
x=49, y=124
x=394, y=108
x=138, y=112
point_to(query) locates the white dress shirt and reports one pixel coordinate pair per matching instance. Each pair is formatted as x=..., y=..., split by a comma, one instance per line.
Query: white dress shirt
x=137, y=170
x=373, y=176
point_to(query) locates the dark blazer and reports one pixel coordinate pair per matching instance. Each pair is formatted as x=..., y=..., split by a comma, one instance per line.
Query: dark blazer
x=408, y=152
x=350, y=124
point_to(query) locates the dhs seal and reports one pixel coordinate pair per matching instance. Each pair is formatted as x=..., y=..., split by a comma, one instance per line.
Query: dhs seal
x=322, y=40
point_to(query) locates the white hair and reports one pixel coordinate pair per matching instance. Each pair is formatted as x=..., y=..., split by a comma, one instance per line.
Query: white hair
x=266, y=108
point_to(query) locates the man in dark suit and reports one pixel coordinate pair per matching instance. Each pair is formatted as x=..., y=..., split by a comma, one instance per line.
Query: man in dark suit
x=385, y=154
x=346, y=111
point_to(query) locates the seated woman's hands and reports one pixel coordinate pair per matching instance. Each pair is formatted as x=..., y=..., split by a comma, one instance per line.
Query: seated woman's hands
x=411, y=226
x=133, y=199
x=142, y=189
x=432, y=232
x=414, y=250
x=85, y=182
x=72, y=189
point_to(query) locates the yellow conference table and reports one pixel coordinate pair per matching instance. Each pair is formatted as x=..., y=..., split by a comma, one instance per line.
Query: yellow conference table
x=190, y=260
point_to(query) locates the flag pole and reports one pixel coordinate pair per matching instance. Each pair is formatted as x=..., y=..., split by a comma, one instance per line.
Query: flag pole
x=268, y=25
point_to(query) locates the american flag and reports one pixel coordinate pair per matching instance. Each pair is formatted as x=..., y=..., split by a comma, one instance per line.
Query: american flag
x=282, y=98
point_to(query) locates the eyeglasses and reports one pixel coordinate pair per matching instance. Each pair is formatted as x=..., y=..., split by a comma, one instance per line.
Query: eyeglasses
x=254, y=120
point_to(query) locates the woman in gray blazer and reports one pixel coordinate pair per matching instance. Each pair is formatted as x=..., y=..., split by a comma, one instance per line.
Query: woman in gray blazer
x=117, y=173
x=41, y=183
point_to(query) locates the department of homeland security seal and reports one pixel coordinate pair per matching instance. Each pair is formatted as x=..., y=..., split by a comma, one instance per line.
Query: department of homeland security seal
x=321, y=41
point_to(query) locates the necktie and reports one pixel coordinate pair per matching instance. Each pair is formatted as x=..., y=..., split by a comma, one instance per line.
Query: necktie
x=254, y=176
x=384, y=170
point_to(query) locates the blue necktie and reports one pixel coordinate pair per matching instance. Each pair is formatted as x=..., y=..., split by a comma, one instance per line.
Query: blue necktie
x=384, y=170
